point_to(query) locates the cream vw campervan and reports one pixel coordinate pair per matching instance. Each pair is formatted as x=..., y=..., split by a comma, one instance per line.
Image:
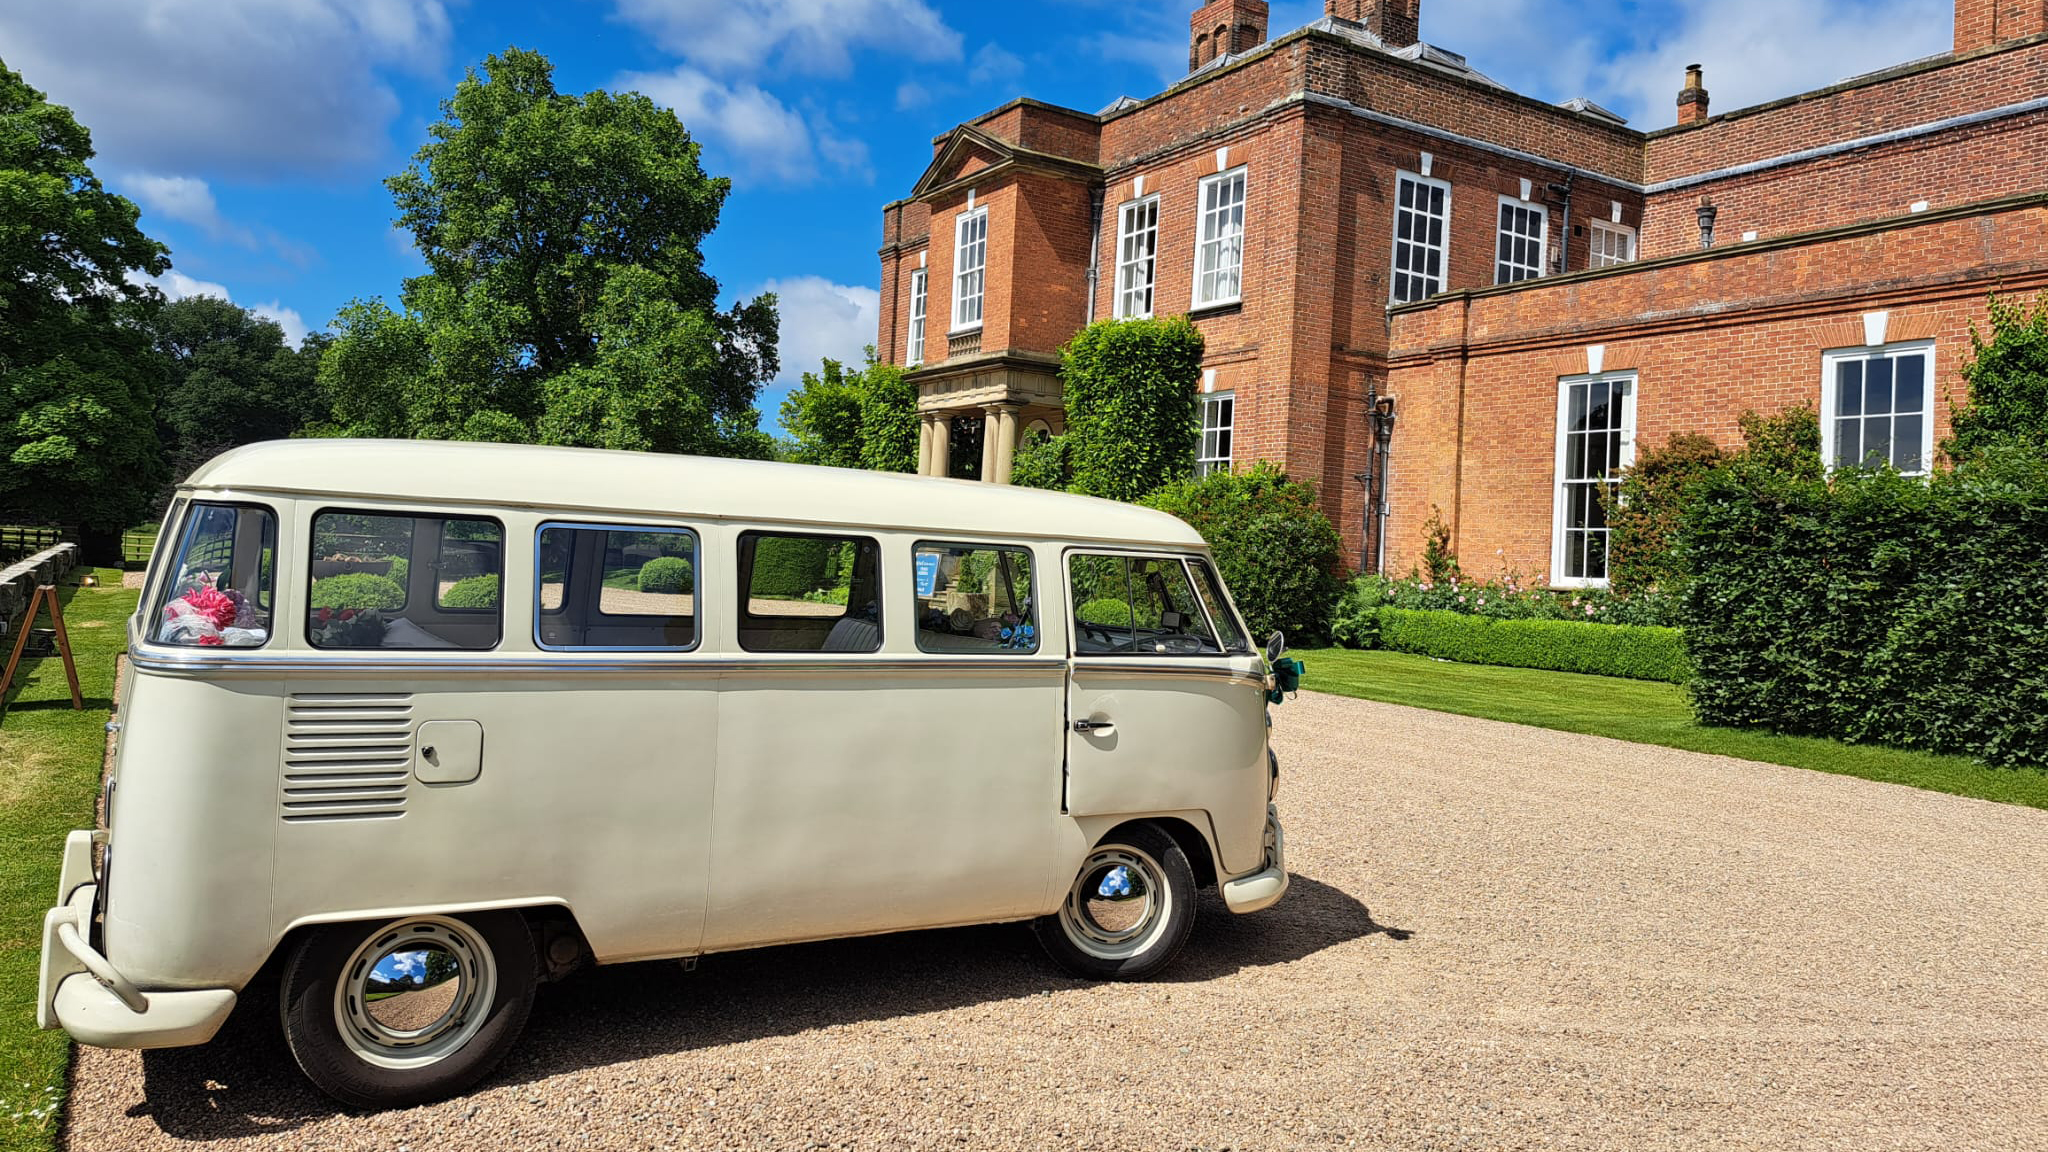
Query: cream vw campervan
x=416, y=726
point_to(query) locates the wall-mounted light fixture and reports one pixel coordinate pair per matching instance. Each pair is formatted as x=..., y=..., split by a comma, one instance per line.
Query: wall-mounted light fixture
x=1707, y=214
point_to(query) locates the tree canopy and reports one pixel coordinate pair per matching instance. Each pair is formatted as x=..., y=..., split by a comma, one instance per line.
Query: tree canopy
x=566, y=300
x=864, y=419
x=77, y=387
x=231, y=379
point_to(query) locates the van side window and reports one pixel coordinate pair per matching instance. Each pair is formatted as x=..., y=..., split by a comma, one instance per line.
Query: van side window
x=617, y=587
x=973, y=599
x=218, y=595
x=810, y=593
x=1228, y=628
x=384, y=581
x=1137, y=606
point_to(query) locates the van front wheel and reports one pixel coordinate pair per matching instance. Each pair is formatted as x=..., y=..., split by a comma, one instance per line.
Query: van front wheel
x=1129, y=911
x=407, y=1011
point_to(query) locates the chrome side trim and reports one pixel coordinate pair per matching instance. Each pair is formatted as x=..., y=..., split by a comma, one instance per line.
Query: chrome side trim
x=540, y=664
x=1083, y=667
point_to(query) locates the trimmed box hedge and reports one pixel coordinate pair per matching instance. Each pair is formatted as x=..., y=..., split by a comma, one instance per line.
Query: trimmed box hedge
x=1634, y=652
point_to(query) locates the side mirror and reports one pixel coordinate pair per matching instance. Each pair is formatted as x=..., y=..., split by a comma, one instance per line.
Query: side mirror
x=1276, y=647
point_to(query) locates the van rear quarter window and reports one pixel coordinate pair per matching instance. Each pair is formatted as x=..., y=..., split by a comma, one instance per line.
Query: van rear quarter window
x=219, y=591
x=380, y=580
x=804, y=593
x=617, y=587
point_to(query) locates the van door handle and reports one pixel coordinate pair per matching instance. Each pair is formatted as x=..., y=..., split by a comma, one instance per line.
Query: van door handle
x=1087, y=726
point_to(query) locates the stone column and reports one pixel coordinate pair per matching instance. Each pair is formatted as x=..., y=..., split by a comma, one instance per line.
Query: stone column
x=1006, y=441
x=988, y=445
x=924, y=445
x=942, y=444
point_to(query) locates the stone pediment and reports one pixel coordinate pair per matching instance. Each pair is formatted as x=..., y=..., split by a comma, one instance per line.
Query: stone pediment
x=970, y=153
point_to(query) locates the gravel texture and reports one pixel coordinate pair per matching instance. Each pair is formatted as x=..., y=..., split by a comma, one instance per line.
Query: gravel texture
x=1497, y=938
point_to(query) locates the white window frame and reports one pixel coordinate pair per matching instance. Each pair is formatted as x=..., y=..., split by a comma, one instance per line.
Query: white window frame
x=1559, y=483
x=961, y=246
x=1207, y=462
x=913, y=355
x=1595, y=258
x=1443, y=250
x=1131, y=225
x=1222, y=241
x=1829, y=385
x=1542, y=267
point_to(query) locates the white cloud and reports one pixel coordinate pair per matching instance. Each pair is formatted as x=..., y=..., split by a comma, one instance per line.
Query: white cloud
x=910, y=94
x=994, y=64
x=1759, y=50
x=741, y=37
x=766, y=136
x=258, y=87
x=820, y=319
x=175, y=285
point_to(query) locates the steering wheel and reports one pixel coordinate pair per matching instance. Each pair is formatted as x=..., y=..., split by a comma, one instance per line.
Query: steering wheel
x=1180, y=644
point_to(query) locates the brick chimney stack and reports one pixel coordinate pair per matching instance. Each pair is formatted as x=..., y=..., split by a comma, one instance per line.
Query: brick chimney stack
x=1398, y=23
x=1222, y=26
x=1982, y=23
x=1692, y=101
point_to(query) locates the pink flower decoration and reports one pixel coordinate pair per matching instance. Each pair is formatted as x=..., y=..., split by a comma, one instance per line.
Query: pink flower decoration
x=214, y=605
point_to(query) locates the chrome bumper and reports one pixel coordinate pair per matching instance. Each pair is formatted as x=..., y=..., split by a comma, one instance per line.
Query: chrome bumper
x=80, y=991
x=1262, y=889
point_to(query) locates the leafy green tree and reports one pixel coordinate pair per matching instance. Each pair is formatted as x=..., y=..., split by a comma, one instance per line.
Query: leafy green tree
x=77, y=387
x=232, y=379
x=566, y=300
x=1278, y=552
x=865, y=419
x=1131, y=388
x=1645, y=510
x=2008, y=377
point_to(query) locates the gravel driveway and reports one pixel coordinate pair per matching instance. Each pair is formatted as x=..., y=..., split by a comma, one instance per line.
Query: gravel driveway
x=1497, y=937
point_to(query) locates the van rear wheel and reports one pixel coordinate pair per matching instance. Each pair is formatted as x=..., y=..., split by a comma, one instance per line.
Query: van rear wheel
x=407, y=1011
x=1129, y=911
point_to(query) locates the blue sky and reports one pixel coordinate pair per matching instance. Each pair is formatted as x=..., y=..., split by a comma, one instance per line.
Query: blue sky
x=256, y=133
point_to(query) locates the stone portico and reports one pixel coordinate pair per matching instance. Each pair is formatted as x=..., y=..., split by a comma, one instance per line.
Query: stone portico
x=1008, y=395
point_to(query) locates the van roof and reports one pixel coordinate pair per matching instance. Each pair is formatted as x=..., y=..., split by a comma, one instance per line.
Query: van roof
x=594, y=480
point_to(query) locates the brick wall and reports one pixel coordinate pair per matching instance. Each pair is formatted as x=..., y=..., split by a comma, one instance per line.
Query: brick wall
x=1709, y=336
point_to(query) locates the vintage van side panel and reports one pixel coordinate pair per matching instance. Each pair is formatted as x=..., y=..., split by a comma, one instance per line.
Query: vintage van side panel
x=1189, y=732
x=595, y=788
x=877, y=792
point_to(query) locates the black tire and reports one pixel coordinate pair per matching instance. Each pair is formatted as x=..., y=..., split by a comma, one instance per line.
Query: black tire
x=494, y=958
x=1098, y=934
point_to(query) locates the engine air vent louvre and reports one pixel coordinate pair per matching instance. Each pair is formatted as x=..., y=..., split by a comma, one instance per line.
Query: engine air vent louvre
x=347, y=756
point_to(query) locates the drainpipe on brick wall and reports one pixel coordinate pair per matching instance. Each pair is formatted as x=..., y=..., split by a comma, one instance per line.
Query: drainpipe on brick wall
x=1564, y=234
x=1094, y=248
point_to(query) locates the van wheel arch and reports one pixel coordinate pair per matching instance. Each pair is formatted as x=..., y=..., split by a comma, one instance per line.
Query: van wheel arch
x=1192, y=843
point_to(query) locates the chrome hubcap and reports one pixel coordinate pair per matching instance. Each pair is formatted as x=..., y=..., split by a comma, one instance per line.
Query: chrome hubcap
x=415, y=992
x=1117, y=905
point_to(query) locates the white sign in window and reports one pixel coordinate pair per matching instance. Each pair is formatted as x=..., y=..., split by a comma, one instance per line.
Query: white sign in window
x=1878, y=407
x=1596, y=424
x=1524, y=241
x=970, y=263
x=914, y=354
x=1219, y=242
x=1611, y=244
x=1219, y=421
x=1422, y=222
x=1137, y=258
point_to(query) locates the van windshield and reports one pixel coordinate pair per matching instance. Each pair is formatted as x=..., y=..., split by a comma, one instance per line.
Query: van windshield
x=1137, y=606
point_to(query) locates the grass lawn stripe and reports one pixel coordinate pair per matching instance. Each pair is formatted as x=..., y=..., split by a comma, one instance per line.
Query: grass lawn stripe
x=1646, y=713
x=50, y=759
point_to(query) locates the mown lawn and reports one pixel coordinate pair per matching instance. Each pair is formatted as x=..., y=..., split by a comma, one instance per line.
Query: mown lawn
x=49, y=776
x=1643, y=712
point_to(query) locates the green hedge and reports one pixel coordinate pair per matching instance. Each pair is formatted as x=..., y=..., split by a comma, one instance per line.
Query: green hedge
x=667, y=574
x=1630, y=651
x=357, y=590
x=1876, y=608
x=475, y=592
x=789, y=567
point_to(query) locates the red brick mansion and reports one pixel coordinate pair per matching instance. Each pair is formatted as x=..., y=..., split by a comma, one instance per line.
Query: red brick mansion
x=1422, y=290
